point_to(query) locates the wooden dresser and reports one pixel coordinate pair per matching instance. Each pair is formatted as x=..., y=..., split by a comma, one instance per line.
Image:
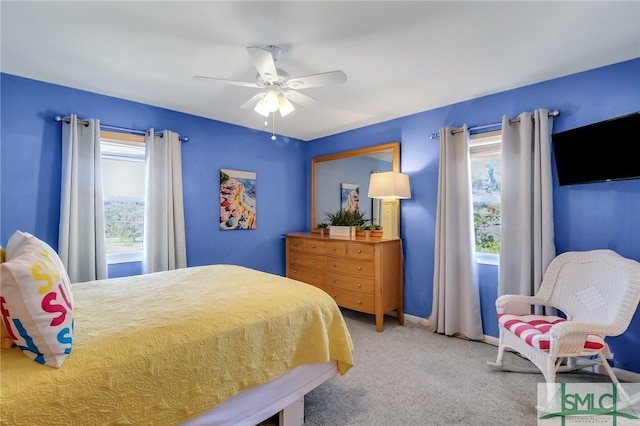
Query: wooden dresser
x=360, y=274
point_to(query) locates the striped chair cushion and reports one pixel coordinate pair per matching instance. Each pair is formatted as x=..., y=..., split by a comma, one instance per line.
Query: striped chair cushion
x=534, y=330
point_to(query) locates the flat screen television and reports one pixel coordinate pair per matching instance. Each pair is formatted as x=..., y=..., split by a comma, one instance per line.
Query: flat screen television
x=600, y=152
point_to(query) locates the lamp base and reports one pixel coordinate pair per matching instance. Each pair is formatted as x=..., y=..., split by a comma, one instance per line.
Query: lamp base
x=390, y=211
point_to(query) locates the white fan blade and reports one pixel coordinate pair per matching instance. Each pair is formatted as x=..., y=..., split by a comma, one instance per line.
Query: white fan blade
x=316, y=80
x=251, y=103
x=263, y=61
x=232, y=82
x=302, y=99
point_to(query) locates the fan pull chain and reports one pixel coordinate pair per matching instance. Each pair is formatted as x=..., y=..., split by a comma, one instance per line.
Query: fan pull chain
x=273, y=122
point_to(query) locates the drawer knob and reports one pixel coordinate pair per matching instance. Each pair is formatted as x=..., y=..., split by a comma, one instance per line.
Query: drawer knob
x=334, y=280
x=334, y=296
x=359, y=302
x=359, y=251
x=313, y=246
x=334, y=265
x=359, y=285
x=359, y=268
x=313, y=261
x=314, y=275
x=333, y=248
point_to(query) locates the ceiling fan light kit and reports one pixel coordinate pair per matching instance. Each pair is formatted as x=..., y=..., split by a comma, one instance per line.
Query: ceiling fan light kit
x=272, y=102
x=268, y=103
x=275, y=80
x=261, y=108
x=284, y=106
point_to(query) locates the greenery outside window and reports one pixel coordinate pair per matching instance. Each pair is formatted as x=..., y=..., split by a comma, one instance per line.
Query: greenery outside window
x=486, y=177
x=123, y=175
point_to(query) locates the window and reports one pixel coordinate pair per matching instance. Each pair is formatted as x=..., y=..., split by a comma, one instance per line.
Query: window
x=123, y=180
x=485, y=190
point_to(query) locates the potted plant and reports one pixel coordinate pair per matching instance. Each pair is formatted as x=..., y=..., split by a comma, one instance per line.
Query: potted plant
x=321, y=229
x=344, y=222
x=363, y=230
x=376, y=232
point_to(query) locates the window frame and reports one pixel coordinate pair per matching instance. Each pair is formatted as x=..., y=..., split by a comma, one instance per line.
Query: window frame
x=131, y=140
x=485, y=143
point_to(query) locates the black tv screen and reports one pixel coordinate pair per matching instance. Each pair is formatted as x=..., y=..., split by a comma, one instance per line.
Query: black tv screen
x=600, y=152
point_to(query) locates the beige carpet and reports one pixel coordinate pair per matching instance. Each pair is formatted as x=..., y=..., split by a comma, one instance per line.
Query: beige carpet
x=408, y=375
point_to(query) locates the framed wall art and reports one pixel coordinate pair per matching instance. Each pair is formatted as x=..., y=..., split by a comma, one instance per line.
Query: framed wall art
x=349, y=196
x=237, y=199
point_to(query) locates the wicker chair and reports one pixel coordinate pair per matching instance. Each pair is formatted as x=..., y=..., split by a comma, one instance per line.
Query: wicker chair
x=597, y=290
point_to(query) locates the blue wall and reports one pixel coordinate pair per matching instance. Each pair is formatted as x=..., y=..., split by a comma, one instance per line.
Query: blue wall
x=591, y=216
x=30, y=172
x=602, y=215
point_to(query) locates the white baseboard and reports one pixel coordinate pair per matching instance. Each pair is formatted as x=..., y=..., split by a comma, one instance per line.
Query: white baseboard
x=411, y=318
x=491, y=340
x=623, y=375
x=416, y=320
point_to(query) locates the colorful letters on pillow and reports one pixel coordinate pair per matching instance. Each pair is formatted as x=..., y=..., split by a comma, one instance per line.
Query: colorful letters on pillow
x=36, y=301
x=5, y=339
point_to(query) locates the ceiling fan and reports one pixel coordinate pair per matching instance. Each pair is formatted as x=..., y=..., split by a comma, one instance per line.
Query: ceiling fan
x=279, y=88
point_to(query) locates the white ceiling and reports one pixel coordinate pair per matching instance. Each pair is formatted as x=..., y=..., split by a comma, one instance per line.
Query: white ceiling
x=400, y=57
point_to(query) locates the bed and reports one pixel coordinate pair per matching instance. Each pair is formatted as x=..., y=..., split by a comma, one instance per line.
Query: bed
x=205, y=345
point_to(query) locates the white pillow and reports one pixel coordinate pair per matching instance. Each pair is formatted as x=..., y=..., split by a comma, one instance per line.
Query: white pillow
x=37, y=304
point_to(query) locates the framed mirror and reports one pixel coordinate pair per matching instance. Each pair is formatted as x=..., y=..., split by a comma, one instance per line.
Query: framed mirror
x=336, y=179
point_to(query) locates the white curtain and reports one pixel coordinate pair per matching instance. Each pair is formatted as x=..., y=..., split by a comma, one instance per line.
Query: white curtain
x=456, y=299
x=81, y=243
x=526, y=202
x=164, y=246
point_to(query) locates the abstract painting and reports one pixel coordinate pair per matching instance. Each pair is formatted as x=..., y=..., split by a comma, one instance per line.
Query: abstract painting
x=349, y=196
x=237, y=199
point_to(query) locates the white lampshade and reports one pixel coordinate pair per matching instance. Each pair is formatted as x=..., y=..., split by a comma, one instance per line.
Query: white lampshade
x=285, y=106
x=261, y=108
x=271, y=101
x=389, y=186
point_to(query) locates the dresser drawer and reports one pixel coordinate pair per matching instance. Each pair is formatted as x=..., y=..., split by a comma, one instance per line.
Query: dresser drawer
x=316, y=261
x=361, y=275
x=315, y=277
x=314, y=246
x=350, y=282
x=360, y=251
x=336, y=248
x=351, y=299
x=350, y=266
x=296, y=244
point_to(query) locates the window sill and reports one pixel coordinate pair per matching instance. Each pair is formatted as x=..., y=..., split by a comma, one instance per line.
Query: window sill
x=488, y=258
x=124, y=257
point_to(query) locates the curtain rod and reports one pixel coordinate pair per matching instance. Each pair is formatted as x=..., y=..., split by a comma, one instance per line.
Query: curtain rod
x=109, y=127
x=553, y=113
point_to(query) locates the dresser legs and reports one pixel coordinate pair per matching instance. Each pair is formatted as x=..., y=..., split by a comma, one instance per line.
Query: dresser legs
x=380, y=320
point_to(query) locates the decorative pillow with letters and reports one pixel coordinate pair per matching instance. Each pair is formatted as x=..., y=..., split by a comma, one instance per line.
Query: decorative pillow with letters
x=6, y=341
x=36, y=300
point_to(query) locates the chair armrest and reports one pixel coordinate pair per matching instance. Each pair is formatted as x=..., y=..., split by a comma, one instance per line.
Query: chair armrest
x=573, y=327
x=503, y=302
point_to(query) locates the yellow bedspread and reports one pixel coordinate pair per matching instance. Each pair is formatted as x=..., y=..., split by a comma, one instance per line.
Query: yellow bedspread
x=162, y=348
